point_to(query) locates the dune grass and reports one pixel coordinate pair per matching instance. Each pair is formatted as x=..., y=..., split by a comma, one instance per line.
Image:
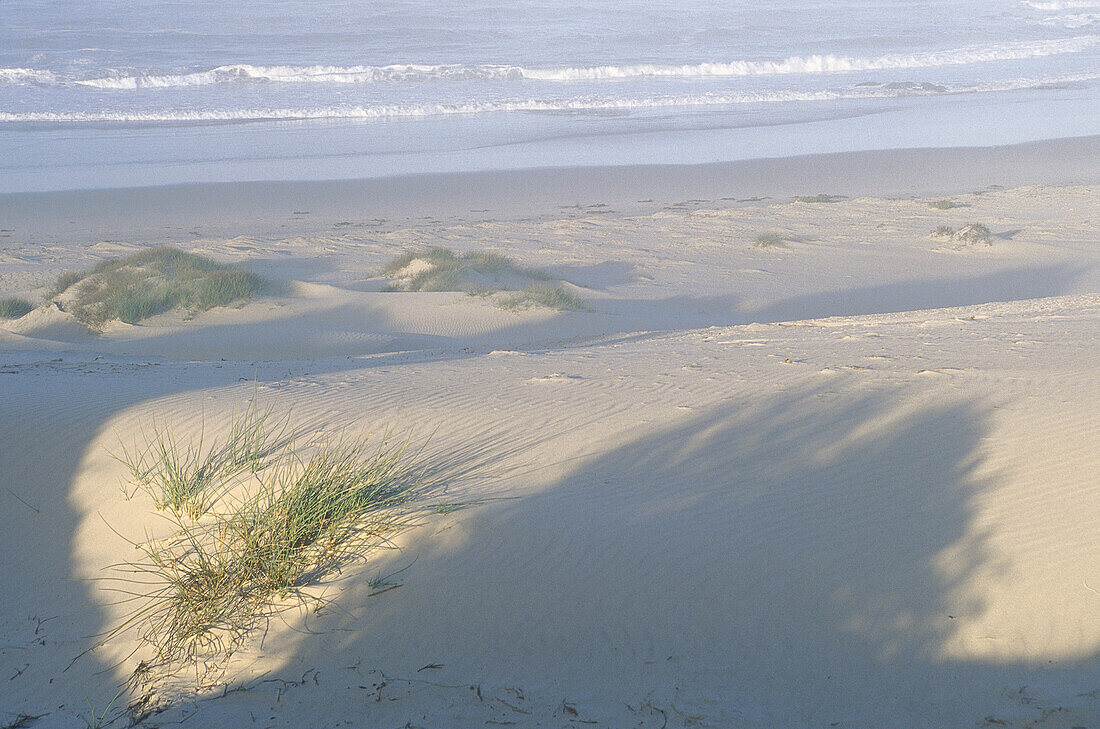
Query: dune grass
x=444, y=270
x=969, y=234
x=972, y=233
x=184, y=477
x=480, y=273
x=546, y=295
x=203, y=590
x=65, y=281
x=153, y=281
x=12, y=307
x=219, y=579
x=820, y=198
x=769, y=239
x=945, y=204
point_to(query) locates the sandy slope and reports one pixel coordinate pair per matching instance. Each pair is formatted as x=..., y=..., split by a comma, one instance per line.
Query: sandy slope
x=851, y=481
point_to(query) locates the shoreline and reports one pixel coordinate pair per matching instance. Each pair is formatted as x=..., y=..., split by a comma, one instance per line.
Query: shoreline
x=180, y=212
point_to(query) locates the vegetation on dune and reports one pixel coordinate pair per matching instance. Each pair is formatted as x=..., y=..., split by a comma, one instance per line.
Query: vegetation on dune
x=153, y=281
x=479, y=273
x=184, y=478
x=219, y=578
x=441, y=269
x=969, y=234
x=945, y=204
x=12, y=307
x=973, y=233
x=768, y=239
x=820, y=198
x=255, y=521
x=546, y=295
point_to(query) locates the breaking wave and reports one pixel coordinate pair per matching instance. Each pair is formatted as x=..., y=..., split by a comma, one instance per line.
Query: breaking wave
x=1062, y=4
x=815, y=64
x=26, y=75
x=560, y=105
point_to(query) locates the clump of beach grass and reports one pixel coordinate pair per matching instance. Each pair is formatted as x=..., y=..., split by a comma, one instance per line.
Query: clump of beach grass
x=819, y=198
x=969, y=234
x=203, y=590
x=480, y=273
x=769, y=239
x=441, y=269
x=545, y=295
x=219, y=579
x=150, y=282
x=12, y=307
x=183, y=477
x=945, y=204
x=973, y=233
x=65, y=281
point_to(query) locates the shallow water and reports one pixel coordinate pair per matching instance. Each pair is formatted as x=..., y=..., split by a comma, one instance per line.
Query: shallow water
x=120, y=92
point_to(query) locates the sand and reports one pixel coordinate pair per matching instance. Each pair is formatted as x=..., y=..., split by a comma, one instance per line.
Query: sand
x=850, y=480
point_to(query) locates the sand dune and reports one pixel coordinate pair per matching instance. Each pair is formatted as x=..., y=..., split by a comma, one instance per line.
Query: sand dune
x=845, y=481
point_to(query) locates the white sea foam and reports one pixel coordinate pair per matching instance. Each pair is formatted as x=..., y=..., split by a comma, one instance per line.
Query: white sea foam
x=1071, y=20
x=559, y=105
x=814, y=64
x=26, y=75
x=395, y=111
x=823, y=64
x=120, y=91
x=301, y=74
x=1062, y=4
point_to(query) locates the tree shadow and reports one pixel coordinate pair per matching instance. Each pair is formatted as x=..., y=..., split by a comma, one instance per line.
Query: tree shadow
x=796, y=560
x=1010, y=285
x=713, y=564
x=595, y=276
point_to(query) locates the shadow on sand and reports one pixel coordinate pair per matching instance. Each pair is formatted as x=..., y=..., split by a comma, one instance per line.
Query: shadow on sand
x=802, y=560
x=776, y=562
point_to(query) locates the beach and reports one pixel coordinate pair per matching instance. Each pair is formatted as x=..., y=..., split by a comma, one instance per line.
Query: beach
x=798, y=460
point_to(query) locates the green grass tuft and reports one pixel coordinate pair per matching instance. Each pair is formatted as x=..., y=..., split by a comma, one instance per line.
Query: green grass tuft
x=444, y=270
x=945, y=204
x=769, y=239
x=202, y=591
x=821, y=198
x=551, y=297
x=184, y=477
x=969, y=234
x=435, y=256
x=973, y=233
x=440, y=278
x=12, y=307
x=153, y=281
x=66, y=281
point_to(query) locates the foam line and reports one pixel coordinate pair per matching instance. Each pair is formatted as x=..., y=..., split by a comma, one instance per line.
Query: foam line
x=814, y=64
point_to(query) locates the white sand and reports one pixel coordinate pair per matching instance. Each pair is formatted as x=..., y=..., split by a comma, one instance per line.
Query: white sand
x=850, y=481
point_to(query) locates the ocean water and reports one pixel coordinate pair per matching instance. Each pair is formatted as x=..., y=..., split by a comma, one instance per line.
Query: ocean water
x=111, y=93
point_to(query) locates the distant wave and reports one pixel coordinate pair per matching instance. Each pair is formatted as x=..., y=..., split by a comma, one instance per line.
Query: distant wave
x=1062, y=4
x=816, y=64
x=561, y=105
x=393, y=111
x=1071, y=20
x=303, y=74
